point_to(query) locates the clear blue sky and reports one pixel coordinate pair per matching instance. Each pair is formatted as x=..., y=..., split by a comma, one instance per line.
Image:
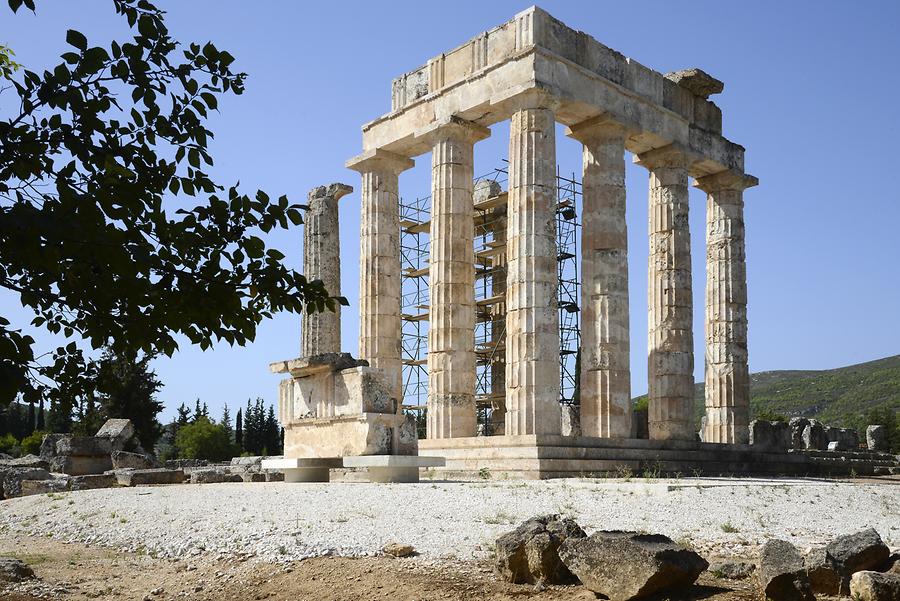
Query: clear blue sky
x=811, y=91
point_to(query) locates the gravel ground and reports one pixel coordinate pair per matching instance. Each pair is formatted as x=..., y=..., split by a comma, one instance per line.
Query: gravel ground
x=448, y=521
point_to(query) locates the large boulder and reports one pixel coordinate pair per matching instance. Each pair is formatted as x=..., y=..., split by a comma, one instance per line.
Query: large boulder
x=875, y=586
x=118, y=431
x=125, y=460
x=855, y=552
x=797, y=425
x=770, y=436
x=876, y=438
x=822, y=572
x=629, y=565
x=14, y=570
x=782, y=573
x=11, y=479
x=814, y=436
x=529, y=554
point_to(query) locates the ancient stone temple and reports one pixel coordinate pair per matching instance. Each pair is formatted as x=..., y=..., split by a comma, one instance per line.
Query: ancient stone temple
x=535, y=72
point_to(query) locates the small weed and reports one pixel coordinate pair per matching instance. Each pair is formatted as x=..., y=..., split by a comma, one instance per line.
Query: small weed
x=729, y=527
x=624, y=472
x=341, y=519
x=484, y=473
x=123, y=521
x=500, y=518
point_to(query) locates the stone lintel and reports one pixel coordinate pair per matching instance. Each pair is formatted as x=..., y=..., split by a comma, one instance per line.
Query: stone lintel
x=452, y=127
x=378, y=159
x=726, y=180
x=601, y=127
x=308, y=366
x=335, y=191
x=697, y=81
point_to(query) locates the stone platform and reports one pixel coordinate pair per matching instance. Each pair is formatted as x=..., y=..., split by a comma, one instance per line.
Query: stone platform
x=539, y=457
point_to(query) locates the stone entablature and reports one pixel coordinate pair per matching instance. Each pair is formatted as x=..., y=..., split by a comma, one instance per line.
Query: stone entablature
x=481, y=80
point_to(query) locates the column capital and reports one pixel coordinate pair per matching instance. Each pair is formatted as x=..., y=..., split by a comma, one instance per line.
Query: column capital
x=335, y=191
x=532, y=98
x=601, y=127
x=726, y=180
x=673, y=155
x=453, y=128
x=379, y=159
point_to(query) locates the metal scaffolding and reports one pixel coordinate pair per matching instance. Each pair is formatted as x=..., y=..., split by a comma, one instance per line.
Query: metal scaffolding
x=490, y=298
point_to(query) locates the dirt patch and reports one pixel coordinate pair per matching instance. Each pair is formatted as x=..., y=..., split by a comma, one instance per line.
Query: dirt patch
x=72, y=571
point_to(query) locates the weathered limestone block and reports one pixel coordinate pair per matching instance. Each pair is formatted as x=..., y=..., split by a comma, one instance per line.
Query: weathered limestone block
x=126, y=460
x=670, y=318
x=530, y=553
x=532, y=322
x=48, y=446
x=149, y=477
x=875, y=586
x=770, y=436
x=42, y=487
x=628, y=565
x=852, y=553
x=727, y=379
x=215, y=476
x=451, y=332
x=84, y=446
x=92, y=481
x=798, y=425
x=697, y=81
x=822, y=572
x=876, y=438
x=842, y=439
x=814, y=436
x=344, y=436
x=605, y=346
x=80, y=465
x=118, y=431
x=782, y=573
x=485, y=189
x=571, y=420
x=11, y=479
x=379, y=257
x=321, y=332
x=32, y=461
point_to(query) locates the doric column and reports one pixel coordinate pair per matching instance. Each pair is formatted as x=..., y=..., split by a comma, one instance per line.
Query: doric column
x=379, y=261
x=532, y=322
x=605, y=365
x=321, y=332
x=727, y=380
x=451, y=333
x=670, y=309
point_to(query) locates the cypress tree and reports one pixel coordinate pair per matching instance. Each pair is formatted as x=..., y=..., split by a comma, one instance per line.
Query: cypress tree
x=29, y=426
x=239, y=430
x=40, y=416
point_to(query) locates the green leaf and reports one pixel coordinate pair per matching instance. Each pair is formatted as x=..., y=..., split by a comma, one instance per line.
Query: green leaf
x=76, y=39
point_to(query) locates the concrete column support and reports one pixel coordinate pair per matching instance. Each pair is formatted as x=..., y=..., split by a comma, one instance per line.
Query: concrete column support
x=532, y=322
x=321, y=332
x=379, y=257
x=727, y=380
x=605, y=364
x=451, y=333
x=670, y=307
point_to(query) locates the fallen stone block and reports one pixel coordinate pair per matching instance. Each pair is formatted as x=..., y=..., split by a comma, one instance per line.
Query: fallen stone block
x=213, y=476
x=856, y=552
x=32, y=461
x=874, y=586
x=530, y=553
x=117, y=431
x=136, y=461
x=92, y=481
x=80, y=465
x=14, y=570
x=252, y=477
x=42, y=487
x=797, y=425
x=782, y=573
x=274, y=476
x=83, y=446
x=149, y=477
x=248, y=463
x=11, y=479
x=48, y=446
x=629, y=565
x=876, y=438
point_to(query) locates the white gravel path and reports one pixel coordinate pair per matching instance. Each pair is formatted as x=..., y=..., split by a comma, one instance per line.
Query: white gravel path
x=280, y=522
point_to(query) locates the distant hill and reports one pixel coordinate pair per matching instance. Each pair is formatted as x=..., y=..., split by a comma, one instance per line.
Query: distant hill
x=838, y=397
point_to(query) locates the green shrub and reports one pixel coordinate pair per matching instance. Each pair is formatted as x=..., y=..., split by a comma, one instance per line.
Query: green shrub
x=31, y=444
x=770, y=416
x=7, y=443
x=205, y=440
x=642, y=403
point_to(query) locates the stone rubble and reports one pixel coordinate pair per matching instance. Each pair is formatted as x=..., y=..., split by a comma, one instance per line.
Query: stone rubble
x=530, y=553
